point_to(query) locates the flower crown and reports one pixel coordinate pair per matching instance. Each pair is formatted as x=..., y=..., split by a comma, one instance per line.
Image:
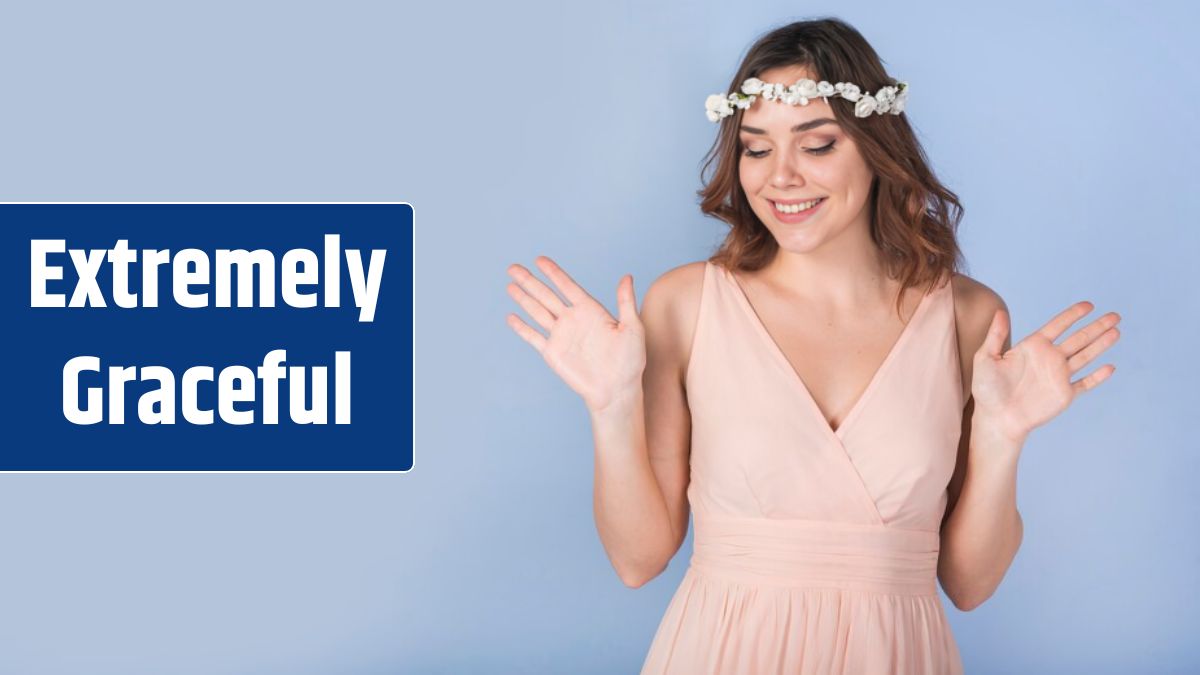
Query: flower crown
x=889, y=99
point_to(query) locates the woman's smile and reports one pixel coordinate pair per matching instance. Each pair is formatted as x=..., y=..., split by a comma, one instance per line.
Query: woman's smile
x=795, y=212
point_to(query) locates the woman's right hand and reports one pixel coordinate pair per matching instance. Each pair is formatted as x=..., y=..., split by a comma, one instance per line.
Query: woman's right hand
x=599, y=357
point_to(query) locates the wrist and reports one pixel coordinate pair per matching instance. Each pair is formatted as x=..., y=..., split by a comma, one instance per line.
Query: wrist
x=620, y=404
x=993, y=430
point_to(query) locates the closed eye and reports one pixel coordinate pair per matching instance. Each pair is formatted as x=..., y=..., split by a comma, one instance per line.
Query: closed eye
x=812, y=151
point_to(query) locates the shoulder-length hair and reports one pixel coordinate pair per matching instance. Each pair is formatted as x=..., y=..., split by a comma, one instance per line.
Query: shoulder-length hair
x=914, y=217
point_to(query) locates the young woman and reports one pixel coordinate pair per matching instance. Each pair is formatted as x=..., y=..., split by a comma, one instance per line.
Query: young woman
x=840, y=408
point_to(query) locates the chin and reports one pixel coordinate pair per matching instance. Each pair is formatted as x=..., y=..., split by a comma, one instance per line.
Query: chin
x=799, y=243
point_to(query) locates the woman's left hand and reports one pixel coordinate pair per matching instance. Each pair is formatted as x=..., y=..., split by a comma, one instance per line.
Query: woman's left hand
x=1030, y=384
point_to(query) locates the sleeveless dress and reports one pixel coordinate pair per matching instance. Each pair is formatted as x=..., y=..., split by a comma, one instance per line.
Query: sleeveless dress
x=815, y=550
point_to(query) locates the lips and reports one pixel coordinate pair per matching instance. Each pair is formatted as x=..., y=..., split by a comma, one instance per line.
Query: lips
x=789, y=202
x=798, y=216
x=813, y=203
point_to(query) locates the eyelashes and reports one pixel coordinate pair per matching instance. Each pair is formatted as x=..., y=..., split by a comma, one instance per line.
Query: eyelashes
x=755, y=154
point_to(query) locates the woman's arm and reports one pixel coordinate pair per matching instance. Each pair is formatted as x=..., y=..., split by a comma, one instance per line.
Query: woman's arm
x=643, y=438
x=983, y=529
x=1012, y=391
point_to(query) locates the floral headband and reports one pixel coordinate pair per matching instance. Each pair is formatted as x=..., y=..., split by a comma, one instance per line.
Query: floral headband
x=889, y=99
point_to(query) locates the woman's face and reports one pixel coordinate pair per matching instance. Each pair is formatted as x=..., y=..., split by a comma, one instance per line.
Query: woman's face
x=782, y=165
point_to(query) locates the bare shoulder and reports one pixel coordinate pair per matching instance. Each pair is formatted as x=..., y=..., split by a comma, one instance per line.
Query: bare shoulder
x=974, y=306
x=670, y=308
x=678, y=284
x=975, y=303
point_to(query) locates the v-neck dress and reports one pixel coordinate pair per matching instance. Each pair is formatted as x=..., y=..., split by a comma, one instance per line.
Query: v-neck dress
x=814, y=550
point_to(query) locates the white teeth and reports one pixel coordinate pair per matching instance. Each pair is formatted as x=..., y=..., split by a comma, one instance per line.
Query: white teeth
x=795, y=208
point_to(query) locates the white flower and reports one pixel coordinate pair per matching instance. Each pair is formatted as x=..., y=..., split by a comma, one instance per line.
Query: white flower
x=772, y=91
x=884, y=98
x=743, y=102
x=793, y=96
x=864, y=107
x=850, y=92
x=824, y=89
x=716, y=107
x=752, y=86
x=806, y=88
x=901, y=99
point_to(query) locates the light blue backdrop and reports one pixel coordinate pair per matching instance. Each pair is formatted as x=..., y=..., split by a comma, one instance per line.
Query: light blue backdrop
x=517, y=129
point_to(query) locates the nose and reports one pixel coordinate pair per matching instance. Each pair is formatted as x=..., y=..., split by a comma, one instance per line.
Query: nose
x=785, y=173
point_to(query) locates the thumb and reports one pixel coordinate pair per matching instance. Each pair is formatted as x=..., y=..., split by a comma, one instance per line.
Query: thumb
x=626, y=302
x=993, y=343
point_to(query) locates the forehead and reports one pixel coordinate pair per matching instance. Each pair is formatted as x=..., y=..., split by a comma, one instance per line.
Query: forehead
x=776, y=117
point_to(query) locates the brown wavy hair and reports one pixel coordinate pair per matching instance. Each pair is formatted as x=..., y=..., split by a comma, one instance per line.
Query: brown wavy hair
x=914, y=217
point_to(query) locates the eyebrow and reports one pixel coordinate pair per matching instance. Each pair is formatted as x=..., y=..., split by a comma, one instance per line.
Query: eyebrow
x=799, y=127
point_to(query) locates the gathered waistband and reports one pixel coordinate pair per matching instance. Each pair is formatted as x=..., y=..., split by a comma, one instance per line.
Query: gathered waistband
x=809, y=553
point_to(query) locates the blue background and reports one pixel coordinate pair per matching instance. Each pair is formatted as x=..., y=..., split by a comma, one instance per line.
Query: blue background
x=379, y=436
x=576, y=130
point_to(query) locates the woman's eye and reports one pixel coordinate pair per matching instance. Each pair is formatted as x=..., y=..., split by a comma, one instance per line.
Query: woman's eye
x=822, y=150
x=813, y=151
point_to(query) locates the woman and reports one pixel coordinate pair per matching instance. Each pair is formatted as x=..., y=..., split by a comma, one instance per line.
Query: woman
x=840, y=408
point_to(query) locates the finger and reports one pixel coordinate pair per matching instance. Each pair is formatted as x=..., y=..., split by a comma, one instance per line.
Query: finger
x=1089, y=333
x=1056, y=326
x=535, y=309
x=540, y=291
x=1097, y=346
x=1093, y=379
x=526, y=332
x=993, y=342
x=572, y=291
x=626, y=300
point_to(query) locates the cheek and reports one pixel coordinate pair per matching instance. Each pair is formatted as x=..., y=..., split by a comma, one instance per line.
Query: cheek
x=850, y=170
x=831, y=171
x=836, y=175
x=752, y=175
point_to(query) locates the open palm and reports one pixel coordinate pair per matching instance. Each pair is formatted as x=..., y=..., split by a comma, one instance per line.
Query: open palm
x=600, y=357
x=1030, y=384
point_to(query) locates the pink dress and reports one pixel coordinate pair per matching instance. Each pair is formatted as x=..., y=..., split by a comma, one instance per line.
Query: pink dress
x=815, y=550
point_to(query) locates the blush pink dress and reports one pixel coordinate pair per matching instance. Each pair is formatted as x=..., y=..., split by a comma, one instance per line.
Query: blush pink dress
x=815, y=549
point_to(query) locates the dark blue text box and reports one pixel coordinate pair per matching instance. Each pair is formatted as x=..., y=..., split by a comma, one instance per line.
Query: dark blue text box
x=39, y=341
